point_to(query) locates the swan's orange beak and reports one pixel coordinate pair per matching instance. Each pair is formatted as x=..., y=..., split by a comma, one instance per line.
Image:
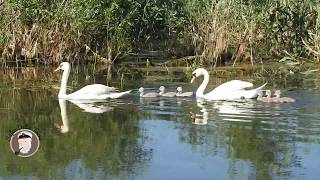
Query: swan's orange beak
x=57, y=69
x=193, y=78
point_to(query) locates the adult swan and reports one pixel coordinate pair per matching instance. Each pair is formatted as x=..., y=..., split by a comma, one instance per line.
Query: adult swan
x=93, y=91
x=231, y=90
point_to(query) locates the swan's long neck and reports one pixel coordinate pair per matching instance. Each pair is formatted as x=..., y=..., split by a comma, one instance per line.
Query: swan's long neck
x=64, y=81
x=204, y=84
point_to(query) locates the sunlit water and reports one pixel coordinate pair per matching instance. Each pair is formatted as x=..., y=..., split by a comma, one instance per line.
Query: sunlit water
x=166, y=138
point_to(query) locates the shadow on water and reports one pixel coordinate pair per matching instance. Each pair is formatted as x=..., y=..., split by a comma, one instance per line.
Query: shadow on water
x=140, y=138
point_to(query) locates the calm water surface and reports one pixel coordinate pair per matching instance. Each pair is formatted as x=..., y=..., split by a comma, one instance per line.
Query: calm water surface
x=175, y=138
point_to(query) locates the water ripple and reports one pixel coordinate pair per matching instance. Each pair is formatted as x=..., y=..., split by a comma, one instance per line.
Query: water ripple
x=293, y=118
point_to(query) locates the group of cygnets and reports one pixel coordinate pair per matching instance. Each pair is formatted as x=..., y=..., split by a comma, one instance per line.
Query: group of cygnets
x=163, y=93
x=276, y=98
x=268, y=97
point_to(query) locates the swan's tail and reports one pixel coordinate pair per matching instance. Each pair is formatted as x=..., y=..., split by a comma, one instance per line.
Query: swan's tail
x=117, y=95
x=253, y=93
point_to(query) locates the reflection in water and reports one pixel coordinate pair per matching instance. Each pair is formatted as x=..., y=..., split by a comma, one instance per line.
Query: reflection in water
x=155, y=138
x=87, y=106
x=64, y=128
x=235, y=110
x=96, y=107
x=90, y=106
x=225, y=110
x=111, y=144
x=200, y=119
x=147, y=100
x=251, y=131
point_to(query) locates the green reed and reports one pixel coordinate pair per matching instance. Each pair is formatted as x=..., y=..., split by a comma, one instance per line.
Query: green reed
x=206, y=31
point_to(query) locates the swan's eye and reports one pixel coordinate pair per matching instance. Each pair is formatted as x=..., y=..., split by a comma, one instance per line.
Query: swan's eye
x=194, y=75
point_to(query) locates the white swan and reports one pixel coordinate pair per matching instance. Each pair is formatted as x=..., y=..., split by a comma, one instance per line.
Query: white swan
x=231, y=90
x=93, y=91
x=162, y=92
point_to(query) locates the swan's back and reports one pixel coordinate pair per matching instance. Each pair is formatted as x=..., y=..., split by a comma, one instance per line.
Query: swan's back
x=93, y=90
x=283, y=99
x=234, y=89
x=150, y=95
x=162, y=92
x=233, y=85
x=185, y=94
x=168, y=94
x=265, y=99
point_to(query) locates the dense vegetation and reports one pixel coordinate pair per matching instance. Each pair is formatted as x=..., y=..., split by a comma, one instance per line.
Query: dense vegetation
x=206, y=31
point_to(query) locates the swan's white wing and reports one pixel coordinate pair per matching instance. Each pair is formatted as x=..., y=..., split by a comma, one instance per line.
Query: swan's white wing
x=231, y=86
x=252, y=93
x=225, y=94
x=115, y=95
x=93, y=89
x=234, y=85
x=227, y=90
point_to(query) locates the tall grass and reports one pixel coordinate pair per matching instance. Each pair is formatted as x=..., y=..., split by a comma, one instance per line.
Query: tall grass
x=254, y=30
x=213, y=31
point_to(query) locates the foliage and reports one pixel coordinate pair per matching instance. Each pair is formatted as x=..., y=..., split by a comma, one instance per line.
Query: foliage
x=216, y=32
x=254, y=29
